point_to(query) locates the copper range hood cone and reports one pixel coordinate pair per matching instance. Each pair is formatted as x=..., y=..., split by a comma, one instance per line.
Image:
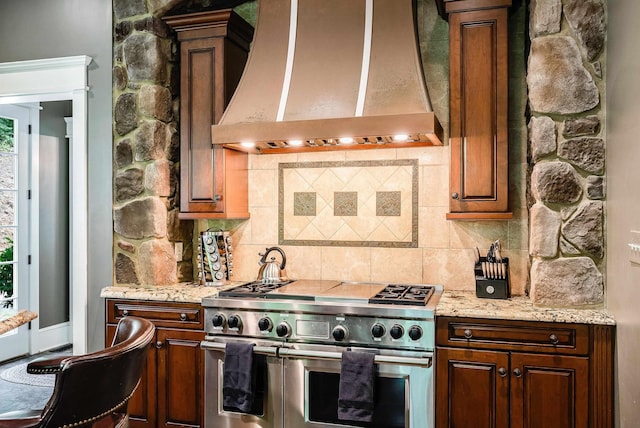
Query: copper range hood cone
x=331, y=74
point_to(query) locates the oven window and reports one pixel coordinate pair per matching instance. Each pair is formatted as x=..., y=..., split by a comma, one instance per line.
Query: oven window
x=389, y=408
x=259, y=368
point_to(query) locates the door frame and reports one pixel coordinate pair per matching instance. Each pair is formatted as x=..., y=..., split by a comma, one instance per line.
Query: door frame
x=58, y=79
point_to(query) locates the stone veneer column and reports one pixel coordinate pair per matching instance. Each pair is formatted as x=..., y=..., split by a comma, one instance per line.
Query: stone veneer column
x=567, y=150
x=146, y=148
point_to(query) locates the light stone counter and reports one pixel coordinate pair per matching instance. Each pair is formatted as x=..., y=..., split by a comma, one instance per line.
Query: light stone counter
x=452, y=303
x=466, y=304
x=10, y=321
x=185, y=292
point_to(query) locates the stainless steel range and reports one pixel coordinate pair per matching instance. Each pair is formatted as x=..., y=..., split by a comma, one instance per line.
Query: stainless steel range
x=300, y=329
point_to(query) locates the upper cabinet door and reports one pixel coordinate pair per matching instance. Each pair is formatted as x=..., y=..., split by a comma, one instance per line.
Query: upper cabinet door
x=478, y=114
x=214, y=47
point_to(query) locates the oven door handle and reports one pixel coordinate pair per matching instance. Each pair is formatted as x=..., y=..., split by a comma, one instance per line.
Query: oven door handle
x=270, y=351
x=425, y=361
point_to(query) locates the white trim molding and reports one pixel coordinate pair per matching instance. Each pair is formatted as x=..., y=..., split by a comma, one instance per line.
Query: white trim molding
x=57, y=79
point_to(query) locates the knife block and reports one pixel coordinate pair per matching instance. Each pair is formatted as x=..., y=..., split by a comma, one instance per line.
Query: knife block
x=492, y=288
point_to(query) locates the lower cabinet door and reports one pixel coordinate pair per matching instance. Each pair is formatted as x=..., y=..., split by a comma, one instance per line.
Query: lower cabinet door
x=472, y=389
x=549, y=391
x=142, y=405
x=180, y=374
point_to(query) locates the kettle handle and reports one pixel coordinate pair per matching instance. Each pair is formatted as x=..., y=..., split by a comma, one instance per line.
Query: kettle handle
x=263, y=260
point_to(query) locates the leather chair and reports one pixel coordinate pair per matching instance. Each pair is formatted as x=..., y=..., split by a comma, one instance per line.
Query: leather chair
x=91, y=390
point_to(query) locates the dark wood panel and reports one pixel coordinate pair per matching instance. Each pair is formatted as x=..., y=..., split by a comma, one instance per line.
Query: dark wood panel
x=478, y=57
x=213, y=51
x=472, y=389
x=181, y=368
x=163, y=314
x=549, y=391
x=601, y=370
x=142, y=405
x=513, y=335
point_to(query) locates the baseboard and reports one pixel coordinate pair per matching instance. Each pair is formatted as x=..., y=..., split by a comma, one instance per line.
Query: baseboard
x=54, y=336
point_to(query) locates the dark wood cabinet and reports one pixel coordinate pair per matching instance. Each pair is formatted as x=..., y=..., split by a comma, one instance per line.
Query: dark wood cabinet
x=478, y=108
x=214, y=46
x=171, y=390
x=471, y=389
x=517, y=374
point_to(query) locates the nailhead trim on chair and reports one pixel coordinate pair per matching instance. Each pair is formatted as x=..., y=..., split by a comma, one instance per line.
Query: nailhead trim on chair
x=44, y=371
x=95, y=418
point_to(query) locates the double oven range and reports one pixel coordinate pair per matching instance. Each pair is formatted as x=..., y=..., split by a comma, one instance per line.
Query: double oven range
x=300, y=329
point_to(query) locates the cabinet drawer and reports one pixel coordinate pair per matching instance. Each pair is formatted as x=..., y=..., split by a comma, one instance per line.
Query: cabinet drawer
x=513, y=335
x=163, y=314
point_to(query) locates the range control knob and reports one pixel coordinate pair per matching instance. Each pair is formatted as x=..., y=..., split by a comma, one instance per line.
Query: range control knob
x=340, y=333
x=377, y=330
x=415, y=332
x=234, y=321
x=283, y=329
x=396, y=331
x=265, y=324
x=218, y=320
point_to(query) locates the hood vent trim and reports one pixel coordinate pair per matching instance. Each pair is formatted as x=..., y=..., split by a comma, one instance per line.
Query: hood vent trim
x=331, y=75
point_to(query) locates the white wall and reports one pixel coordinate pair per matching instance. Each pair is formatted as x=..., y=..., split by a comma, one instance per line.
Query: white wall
x=38, y=29
x=623, y=199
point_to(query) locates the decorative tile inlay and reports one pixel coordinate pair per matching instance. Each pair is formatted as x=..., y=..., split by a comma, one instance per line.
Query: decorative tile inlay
x=345, y=203
x=388, y=203
x=357, y=203
x=304, y=203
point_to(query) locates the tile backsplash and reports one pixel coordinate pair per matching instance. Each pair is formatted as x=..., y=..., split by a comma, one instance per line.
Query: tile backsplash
x=358, y=234
x=352, y=203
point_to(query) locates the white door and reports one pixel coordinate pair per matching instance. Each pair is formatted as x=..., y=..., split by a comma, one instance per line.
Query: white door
x=14, y=224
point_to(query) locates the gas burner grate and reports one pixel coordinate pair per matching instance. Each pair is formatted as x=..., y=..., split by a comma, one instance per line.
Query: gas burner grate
x=253, y=289
x=403, y=294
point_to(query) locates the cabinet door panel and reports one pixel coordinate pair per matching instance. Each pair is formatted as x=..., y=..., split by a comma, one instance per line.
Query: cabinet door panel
x=478, y=113
x=142, y=405
x=201, y=62
x=180, y=371
x=472, y=389
x=549, y=391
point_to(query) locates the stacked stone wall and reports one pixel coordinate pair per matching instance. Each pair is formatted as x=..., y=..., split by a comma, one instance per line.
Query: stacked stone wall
x=567, y=151
x=146, y=148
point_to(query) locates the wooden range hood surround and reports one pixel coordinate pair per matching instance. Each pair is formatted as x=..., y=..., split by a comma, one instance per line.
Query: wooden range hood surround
x=322, y=70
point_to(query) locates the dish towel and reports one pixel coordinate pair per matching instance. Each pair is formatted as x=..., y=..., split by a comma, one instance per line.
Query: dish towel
x=237, y=378
x=356, y=393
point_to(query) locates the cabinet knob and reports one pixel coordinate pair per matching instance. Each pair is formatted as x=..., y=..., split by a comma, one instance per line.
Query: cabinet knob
x=502, y=372
x=183, y=317
x=455, y=195
x=468, y=334
x=125, y=312
x=554, y=339
x=159, y=344
x=517, y=372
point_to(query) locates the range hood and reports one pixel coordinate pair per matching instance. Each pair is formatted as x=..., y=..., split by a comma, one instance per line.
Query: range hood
x=331, y=75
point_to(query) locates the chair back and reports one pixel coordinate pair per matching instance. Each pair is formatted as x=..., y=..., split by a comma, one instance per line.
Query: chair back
x=92, y=386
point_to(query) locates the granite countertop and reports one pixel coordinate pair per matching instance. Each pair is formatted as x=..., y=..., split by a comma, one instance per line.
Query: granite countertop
x=466, y=304
x=452, y=303
x=9, y=321
x=184, y=292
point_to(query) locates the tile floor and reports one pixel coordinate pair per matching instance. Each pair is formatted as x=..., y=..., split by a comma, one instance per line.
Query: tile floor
x=17, y=396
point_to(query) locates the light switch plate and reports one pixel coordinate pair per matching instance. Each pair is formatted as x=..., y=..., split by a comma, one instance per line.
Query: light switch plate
x=634, y=247
x=177, y=250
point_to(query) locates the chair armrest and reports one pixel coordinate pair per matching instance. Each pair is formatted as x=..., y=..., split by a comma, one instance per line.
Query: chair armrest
x=20, y=419
x=46, y=365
